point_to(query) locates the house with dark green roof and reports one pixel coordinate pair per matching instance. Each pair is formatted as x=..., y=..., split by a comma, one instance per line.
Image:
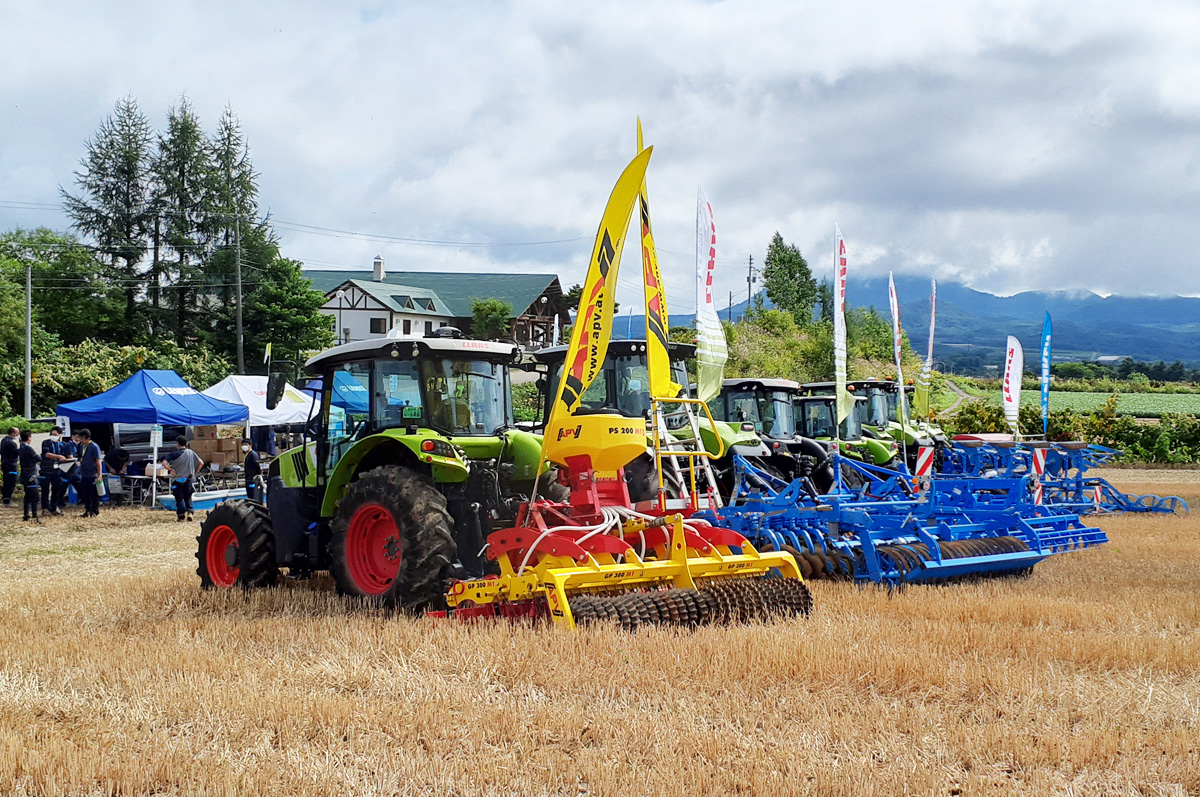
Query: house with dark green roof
x=365, y=304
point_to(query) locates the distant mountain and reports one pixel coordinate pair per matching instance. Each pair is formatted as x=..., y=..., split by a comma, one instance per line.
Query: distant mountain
x=972, y=325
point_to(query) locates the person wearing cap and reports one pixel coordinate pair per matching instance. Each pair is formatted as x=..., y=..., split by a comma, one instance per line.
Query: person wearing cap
x=183, y=464
x=252, y=469
x=10, y=450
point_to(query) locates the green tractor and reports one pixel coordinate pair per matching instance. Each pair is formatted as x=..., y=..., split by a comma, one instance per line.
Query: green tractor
x=877, y=403
x=858, y=440
x=816, y=417
x=766, y=406
x=411, y=461
x=623, y=387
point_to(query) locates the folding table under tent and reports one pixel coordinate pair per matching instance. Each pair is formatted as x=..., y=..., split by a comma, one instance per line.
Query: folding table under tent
x=154, y=397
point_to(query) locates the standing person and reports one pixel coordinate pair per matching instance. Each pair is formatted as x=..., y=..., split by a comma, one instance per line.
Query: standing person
x=9, y=455
x=116, y=461
x=52, y=476
x=252, y=469
x=89, y=474
x=29, y=460
x=184, y=464
x=71, y=478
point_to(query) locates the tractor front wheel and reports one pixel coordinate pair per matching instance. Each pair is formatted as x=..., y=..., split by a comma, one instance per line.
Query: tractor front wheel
x=392, y=539
x=237, y=547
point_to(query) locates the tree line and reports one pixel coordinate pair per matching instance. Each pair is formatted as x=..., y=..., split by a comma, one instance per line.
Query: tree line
x=147, y=273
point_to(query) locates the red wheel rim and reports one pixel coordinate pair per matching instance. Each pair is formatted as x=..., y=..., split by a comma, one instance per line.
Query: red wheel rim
x=220, y=540
x=373, y=549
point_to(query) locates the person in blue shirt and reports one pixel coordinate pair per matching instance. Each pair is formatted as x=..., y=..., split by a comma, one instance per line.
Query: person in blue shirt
x=89, y=474
x=29, y=460
x=52, y=477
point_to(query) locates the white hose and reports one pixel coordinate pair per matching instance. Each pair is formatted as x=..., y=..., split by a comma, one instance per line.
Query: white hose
x=542, y=536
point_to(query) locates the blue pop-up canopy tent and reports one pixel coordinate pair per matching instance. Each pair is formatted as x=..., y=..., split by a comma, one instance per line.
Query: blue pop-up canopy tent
x=348, y=392
x=159, y=397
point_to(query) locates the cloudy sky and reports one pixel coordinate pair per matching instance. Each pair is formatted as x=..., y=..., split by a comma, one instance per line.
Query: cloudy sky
x=1011, y=145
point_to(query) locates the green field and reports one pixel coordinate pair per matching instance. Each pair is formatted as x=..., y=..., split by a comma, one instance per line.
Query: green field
x=1141, y=405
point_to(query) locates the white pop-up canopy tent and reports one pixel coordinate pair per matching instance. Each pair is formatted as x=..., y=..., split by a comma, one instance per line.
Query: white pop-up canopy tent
x=251, y=392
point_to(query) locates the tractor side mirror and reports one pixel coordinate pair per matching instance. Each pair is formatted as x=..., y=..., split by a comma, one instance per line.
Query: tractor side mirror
x=277, y=381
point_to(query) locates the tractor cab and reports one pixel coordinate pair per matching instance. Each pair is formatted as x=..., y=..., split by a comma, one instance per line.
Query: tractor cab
x=816, y=412
x=623, y=385
x=767, y=406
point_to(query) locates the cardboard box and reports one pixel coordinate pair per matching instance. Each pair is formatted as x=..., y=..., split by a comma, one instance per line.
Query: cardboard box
x=204, y=433
x=205, y=448
x=230, y=445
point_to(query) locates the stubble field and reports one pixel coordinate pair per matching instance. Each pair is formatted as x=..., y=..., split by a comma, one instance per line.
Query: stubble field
x=119, y=675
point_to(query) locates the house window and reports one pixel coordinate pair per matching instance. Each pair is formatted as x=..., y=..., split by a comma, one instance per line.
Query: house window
x=407, y=327
x=444, y=324
x=428, y=327
x=378, y=326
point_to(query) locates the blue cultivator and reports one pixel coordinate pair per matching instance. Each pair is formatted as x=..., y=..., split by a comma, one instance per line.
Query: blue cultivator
x=1062, y=468
x=881, y=531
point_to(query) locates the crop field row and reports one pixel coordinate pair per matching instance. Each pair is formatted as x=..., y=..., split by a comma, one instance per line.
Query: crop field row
x=1141, y=405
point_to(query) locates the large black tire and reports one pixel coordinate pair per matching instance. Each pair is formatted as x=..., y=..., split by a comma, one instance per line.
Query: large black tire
x=237, y=547
x=393, y=539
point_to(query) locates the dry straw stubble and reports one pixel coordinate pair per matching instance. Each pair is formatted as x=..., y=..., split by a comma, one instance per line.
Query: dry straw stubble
x=118, y=675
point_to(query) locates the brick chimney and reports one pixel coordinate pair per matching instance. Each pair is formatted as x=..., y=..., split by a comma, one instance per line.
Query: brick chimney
x=380, y=272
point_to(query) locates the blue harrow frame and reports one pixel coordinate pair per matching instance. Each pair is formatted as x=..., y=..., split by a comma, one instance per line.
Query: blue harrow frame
x=883, y=531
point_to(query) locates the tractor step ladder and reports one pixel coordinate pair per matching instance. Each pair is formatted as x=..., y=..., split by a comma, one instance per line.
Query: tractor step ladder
x=669, y=452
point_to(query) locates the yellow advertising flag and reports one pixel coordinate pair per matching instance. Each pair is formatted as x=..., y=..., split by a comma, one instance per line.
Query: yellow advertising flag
x=658, y=359
x=593, y=323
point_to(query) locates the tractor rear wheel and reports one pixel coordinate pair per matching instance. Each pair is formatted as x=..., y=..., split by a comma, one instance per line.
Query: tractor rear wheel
x=237, y=547
x=392, y=539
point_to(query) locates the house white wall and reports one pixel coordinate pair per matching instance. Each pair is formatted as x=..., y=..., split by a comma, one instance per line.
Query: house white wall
x=357, y=309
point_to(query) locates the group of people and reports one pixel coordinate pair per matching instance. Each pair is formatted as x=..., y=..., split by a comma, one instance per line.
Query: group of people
x=45, y=476
x=75, y=462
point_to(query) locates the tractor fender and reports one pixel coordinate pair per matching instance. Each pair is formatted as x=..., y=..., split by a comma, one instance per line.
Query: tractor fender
x=393, y=447
x=524, y=450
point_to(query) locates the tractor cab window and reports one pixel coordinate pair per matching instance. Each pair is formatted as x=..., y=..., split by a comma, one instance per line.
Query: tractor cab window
x=397, y=395
x=776, y=410
x=893, y=406
x=623, y=386
x=743, y=408
x=466, y=397
x=851, y=426
x=878, y=410
x=348, y=386
x=816, y=420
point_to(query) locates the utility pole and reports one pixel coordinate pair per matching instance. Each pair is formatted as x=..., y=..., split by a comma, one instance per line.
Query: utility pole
x=749, y=282
x=29, y=340
x=729, y=312
x=241, y=354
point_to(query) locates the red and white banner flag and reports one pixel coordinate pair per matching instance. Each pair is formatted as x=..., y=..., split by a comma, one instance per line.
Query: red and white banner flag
x=711, y=352
x=896, y=341
x=845, y=402
x=1014, y=367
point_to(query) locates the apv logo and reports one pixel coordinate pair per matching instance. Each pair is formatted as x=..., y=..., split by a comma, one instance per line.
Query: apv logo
x=570, y=434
